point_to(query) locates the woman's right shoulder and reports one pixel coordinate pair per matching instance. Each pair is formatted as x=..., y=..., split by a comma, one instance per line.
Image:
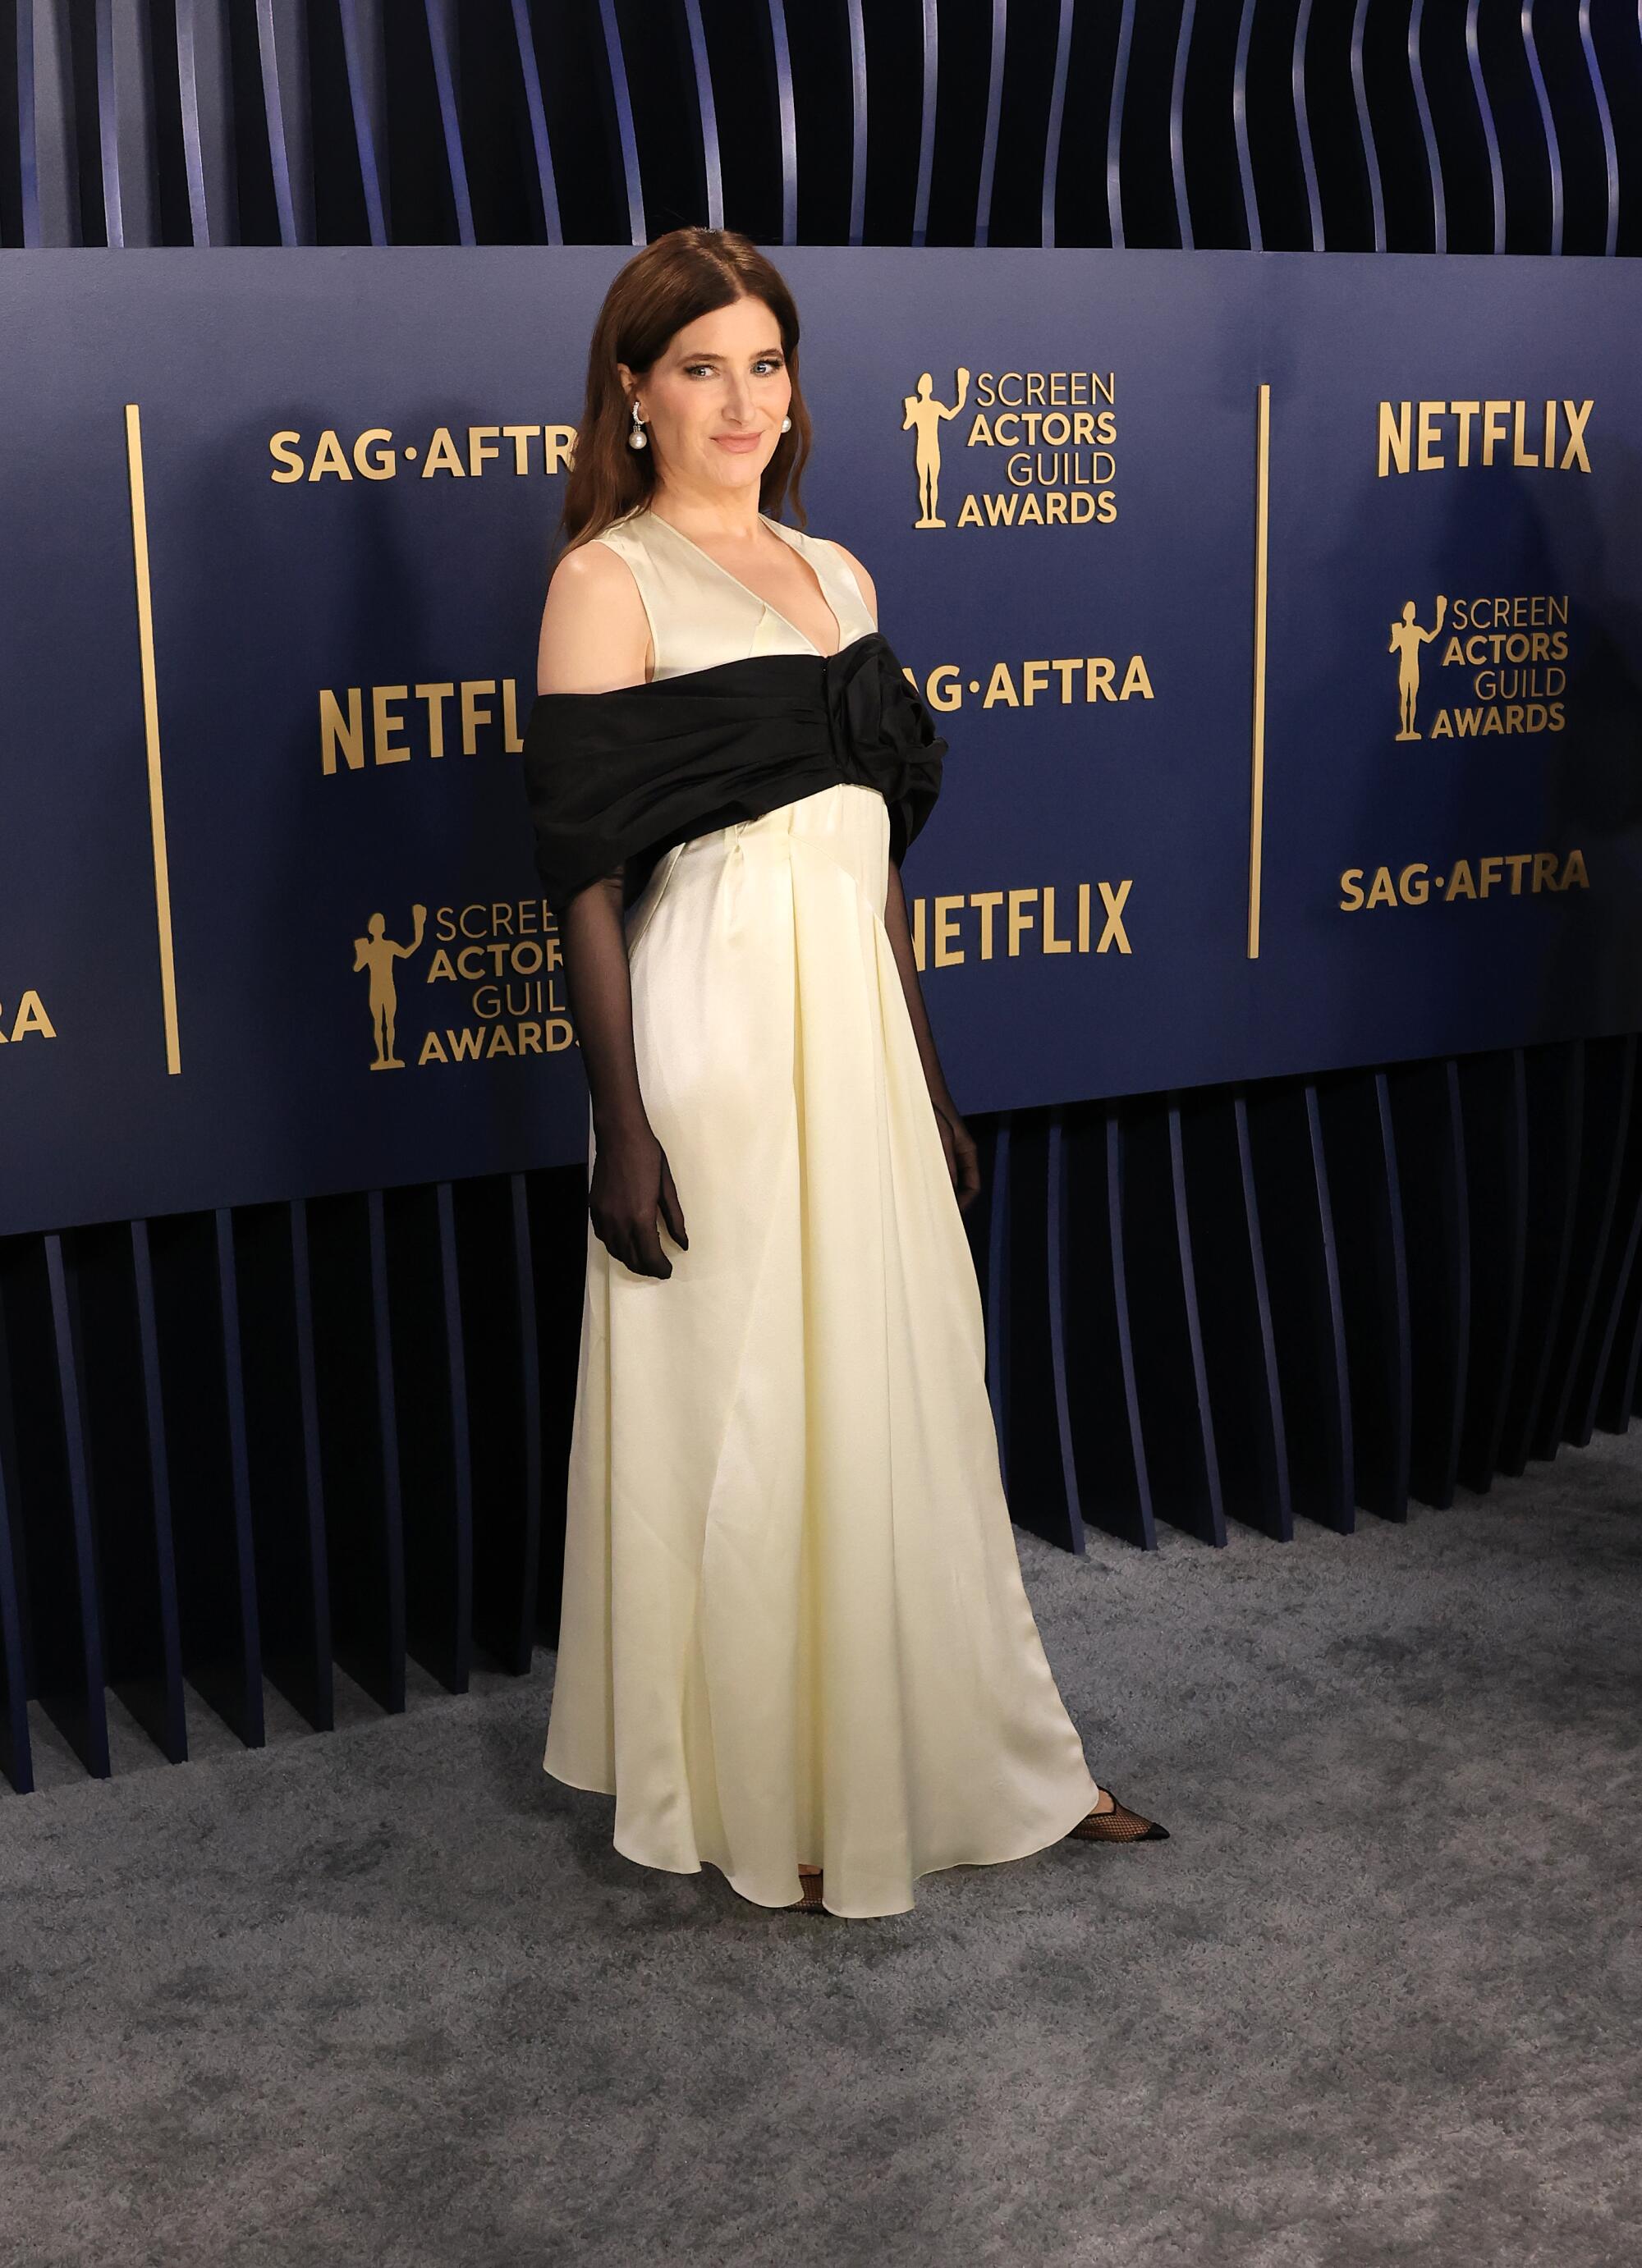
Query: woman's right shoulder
x=595, y=631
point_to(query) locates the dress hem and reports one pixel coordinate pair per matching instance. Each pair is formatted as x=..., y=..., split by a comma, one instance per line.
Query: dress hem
x=781, y=1905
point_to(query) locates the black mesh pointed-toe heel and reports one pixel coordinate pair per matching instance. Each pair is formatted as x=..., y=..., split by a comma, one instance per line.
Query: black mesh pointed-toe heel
x=1117, y=1825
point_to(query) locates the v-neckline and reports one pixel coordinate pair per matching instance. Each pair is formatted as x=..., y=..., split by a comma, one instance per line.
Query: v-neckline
x=741, y=585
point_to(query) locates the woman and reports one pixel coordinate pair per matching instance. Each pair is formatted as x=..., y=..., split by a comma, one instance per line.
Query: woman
x=794, y=1641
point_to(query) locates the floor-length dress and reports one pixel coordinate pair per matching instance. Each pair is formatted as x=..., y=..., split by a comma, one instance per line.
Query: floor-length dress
x=793, y=1625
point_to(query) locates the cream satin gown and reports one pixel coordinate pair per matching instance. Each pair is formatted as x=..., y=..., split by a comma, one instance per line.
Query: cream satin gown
x=793, y=1626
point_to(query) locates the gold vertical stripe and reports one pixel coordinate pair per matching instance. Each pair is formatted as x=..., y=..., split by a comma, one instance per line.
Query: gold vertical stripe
x=150, y=725
x=1257, y=797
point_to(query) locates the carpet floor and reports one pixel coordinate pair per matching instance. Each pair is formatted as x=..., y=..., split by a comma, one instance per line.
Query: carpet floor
x=391, y=1996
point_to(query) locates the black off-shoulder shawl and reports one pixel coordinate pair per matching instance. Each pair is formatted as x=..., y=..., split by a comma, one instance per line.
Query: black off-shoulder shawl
x=619, y=777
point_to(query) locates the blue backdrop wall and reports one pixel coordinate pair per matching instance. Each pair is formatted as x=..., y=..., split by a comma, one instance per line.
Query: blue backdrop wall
x=1324, y=1196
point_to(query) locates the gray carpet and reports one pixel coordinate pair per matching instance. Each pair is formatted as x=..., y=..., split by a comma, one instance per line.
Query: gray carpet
x=390, y=1995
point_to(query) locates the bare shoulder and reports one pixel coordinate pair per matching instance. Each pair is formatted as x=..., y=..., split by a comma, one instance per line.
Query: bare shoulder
x=868, y=589
x=596, y=634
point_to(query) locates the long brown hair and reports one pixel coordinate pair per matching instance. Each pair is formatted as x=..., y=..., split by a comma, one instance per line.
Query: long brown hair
x=688, y=273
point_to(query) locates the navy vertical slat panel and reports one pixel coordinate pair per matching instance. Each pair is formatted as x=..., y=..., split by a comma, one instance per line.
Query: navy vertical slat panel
x=1426, y=1111
x=77, y=1472
x=1233, y=1303
x=1609, y=1070
x=1119, y=1255
x=17, y=1759
x=1114, y=1489
x=1619, y=1293
x=430, y=1406
x=1308, y=1325
x=197, y=1345
x=1058, y=1294
x=995, y=1276
x=365, y=1545
x=497, y=1291
x=287, y=1519
x=131, y=1511
x=1168, y=1366
x=1493, y=1091
x=1361, y=1150
x=1216, y=1508
x=240, y=1472
x=1030, y=1443
x=556, y=1206
x=1556, y=1097
x=158, y=1459
x=1616, y=1388
x=54, y=1566
x=313, y=1462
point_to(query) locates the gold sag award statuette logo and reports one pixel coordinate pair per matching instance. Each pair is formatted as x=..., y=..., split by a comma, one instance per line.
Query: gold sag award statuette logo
x=377, y=952
x=1407, y=637
x=924, y=416
x=1057, y=467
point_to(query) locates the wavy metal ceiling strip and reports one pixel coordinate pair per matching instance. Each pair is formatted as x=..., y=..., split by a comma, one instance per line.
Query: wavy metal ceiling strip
x=1490, y=135
x=1240, y=129
x=1433, y=156
x=536, y=112
x=1000, y=35
x=707, y=109
x=442, y=44
x=1610, y=153
x=108, y=127
x=1177, y=126
x=28, y=177
x=926, y=120
x=364, y=63
x=1052, y=134
x=282, y=52
x=786, y=118
x=1302, y=125
x=1366, y=128
x=858, y=123
x=1553, y=151
x=638, y=231
x=1115, y=128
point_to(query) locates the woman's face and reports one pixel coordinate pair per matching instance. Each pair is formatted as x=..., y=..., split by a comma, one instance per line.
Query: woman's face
x=713, y=402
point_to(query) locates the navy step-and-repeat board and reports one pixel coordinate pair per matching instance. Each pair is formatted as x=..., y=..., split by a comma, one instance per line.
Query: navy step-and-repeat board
x=1284, y=616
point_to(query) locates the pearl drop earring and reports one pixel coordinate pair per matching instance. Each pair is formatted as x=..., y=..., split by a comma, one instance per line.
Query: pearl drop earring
x=786, y=424
x=637, y=439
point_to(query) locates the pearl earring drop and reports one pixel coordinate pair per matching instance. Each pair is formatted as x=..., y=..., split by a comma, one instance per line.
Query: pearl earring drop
x=637, y=439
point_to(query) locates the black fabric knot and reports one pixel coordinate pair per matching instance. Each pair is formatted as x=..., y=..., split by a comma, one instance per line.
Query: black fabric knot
x=882, y=734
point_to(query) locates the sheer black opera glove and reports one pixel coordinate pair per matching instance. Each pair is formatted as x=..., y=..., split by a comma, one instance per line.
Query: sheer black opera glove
x=631, y=1185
